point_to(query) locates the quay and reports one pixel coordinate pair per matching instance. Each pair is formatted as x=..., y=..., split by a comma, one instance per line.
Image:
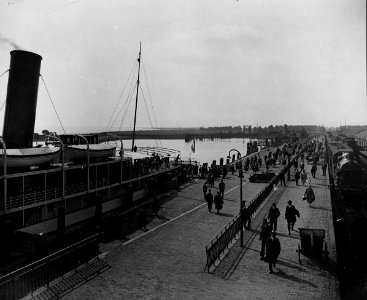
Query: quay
x=168, y=260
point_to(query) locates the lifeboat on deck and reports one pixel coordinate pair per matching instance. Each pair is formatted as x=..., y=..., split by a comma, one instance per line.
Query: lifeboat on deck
x=28, y=157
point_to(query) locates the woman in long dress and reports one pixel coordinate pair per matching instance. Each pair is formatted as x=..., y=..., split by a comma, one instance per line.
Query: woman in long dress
x=303, y=177
x=218, y=200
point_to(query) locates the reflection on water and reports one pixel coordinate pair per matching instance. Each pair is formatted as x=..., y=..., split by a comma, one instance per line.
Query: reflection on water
x=205, y=151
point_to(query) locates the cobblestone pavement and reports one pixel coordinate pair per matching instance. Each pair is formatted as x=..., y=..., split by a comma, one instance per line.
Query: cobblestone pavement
x=167, y=262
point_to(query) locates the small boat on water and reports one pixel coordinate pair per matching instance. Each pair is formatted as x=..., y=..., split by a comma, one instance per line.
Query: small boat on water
x=28, y=157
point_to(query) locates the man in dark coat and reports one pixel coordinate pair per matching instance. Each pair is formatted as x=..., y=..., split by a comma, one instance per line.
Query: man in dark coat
x=272, y=251
x=297, y=176
x=221, y=188
x=246, y=218
x=290, y=214
x=273, y=215
x=209, y=199
x=282, y=178
x=324, y=166
x=205, y=189
x=264, y=235
x=218, y=200
x=313, y=170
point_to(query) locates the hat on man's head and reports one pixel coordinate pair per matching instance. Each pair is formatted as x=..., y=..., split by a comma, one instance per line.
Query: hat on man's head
x=265, y=220
x=274, y=204
x=289, y=202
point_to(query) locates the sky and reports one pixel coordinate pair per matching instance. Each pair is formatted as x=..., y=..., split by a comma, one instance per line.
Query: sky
x=204, y=63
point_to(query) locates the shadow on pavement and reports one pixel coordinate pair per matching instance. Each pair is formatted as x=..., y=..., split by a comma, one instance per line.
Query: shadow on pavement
x=286, y=235
x=320, y=207
x=294, y=278
x=229, y=199
x=224, y=215
x=292, y=265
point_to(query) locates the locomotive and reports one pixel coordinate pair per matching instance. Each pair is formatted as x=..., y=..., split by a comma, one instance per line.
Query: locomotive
x=349, y=172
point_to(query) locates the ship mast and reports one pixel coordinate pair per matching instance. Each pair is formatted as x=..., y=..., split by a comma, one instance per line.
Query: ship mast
x=136, y=101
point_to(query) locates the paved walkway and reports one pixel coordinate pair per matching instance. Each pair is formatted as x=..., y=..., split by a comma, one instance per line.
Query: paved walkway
x=167, y=262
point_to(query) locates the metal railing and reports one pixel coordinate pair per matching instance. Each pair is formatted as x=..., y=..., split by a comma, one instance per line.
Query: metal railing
x=27, y=279
x=28, y=197
x=223, y=240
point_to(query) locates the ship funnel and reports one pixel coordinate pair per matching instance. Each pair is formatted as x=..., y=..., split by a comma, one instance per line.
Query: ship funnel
x=21, y=99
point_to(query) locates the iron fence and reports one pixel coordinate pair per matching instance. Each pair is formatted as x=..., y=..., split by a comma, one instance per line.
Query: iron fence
x=23, y=281
x=223, y=240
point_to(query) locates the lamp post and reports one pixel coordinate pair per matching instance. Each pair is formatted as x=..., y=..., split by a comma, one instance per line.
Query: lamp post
x=241, y=176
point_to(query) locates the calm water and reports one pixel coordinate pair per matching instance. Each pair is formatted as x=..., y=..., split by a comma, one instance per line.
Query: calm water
x=205, y=151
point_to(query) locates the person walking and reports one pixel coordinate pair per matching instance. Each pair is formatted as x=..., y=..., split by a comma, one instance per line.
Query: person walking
x=209, y=200
x=297, y=176
x=302, y=165
x=218, y=201
x=221, y=188
x=303, y=177
x=246, y=217
x=205, y=189
x=273, y=215
x=313, y=170
x=290, y=215
x=272, y=251
x=309, y=195
x=324, y=166
x=212, y=178
x=282, y=178
x=264, y=235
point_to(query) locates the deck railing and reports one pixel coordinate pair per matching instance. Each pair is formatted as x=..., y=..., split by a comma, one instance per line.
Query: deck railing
x=28, y=197
x=23, y=281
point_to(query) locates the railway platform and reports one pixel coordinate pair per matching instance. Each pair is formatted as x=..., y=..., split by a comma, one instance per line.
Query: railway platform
x=168, y=260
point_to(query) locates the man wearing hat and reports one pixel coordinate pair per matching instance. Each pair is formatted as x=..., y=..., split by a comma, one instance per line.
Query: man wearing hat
x=272, y=251
x=273, y=216
x=290, y=214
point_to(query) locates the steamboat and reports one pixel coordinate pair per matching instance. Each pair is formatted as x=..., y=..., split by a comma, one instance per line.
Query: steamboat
x=64, y=186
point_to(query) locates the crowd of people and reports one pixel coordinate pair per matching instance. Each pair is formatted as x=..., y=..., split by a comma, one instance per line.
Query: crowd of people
x=270, y=245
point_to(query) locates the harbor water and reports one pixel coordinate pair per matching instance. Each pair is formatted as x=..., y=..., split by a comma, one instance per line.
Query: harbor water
x=204, y=151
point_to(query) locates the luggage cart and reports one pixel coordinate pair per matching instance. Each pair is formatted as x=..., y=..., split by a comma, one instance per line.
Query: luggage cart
x=312, y=243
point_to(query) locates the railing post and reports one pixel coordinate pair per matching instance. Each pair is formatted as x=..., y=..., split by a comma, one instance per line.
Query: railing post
x=5, y=172
x=121, y=152
x=85, y=139
x=62, y=167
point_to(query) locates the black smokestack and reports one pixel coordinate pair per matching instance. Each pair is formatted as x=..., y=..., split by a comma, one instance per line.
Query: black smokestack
x=21, y=99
